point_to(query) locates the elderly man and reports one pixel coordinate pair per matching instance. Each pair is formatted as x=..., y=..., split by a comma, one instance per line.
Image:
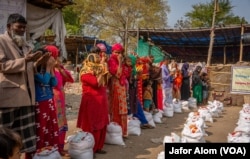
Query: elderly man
x=17, y=99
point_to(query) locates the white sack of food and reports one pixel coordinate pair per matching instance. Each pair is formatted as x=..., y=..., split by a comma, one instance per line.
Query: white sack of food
x=168, y=110
x=205, y=113
x=157, y=117
x=149, y=118
x=114, y=134
x=134, y=126
x=161, y=155
x=173, y=138
x=192, y=102
x=48, y=152
x=192, y=133
x=81, y=145
x=238, y=137
x=177, y=106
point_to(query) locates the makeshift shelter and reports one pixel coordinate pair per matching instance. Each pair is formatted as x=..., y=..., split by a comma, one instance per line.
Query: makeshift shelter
x=41, y=15
x=192, y=44
x=77, y=46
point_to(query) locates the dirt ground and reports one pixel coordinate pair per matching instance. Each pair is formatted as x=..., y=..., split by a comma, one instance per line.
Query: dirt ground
x=150, y=142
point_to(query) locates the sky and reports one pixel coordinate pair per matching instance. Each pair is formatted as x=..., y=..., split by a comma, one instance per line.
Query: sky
x=180, y=7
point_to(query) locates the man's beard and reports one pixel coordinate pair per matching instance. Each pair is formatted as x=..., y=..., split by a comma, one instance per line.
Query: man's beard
x=19, y=40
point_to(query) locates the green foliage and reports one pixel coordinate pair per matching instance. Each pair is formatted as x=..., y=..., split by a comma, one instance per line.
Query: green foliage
x=202, y=13
x=49, y=32
x=108, y=19
x=182, y=23
x=72, y=20
x=73, y=29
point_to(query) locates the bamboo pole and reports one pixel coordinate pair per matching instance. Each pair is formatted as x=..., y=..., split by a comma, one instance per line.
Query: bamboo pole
x=241, y=44
x=77, y=55
x=126, y=38
x=138, y=38
x=210, y=49
x=225, y=56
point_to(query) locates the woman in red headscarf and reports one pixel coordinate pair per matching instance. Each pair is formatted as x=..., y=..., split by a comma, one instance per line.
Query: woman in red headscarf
x=62, y=75
x=118, y=104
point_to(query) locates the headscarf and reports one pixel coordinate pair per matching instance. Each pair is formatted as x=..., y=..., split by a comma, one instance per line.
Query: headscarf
x=117, y=47
x=53, y=49
x=184, y=69
x=196, y=76
x=91, y=65
x=198, y=69
x=133, y=61
x=102, y=47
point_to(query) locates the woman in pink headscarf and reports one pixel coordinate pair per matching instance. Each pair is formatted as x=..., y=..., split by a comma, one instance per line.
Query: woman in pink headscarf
x=118, y=104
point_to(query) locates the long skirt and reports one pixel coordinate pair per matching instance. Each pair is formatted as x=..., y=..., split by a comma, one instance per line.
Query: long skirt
x=118, y=106
x=47, y=125
x=197, y=93
x=167, y=96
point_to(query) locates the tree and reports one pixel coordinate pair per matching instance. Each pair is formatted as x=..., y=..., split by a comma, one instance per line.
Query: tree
x=202, y=13
x=110, y=20
x=72, y=20
x=182, y=23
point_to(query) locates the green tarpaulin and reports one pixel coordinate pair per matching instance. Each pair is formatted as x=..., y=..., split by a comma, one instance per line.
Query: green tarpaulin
x=144, y=49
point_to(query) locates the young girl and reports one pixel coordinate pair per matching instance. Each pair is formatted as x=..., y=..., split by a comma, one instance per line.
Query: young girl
x=62, y=75
x=46, y=117
x=147, y=95
x=205, y=87
x=10, y=144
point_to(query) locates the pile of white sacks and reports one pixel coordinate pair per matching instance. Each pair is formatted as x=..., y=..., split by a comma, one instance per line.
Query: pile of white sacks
x=242, y=131
x=195, y=125
x=114, y=131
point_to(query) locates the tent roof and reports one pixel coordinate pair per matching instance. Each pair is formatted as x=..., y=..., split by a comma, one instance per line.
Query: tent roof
x=79, y=43
x=195, y=42
x=51, y=4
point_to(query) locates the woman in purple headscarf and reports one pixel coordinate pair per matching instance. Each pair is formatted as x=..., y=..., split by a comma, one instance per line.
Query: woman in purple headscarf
x=185, y=87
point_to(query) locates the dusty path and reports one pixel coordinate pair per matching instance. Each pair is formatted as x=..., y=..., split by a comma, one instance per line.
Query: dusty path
x=142, y=147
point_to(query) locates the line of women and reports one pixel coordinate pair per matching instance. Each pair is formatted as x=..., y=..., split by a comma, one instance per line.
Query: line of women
x=118, y=86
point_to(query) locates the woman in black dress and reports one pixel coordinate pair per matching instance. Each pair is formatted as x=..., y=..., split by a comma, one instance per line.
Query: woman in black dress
x=185, y=87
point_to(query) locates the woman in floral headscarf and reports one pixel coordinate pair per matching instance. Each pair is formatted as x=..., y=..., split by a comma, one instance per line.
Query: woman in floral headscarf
x=118, y=104
x=93, y=112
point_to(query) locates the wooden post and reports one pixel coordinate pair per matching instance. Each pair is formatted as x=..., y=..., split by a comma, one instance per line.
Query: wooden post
x=77, y=55
x=225, y=55
x=138, y=39
x=210, y=49
x=126, y=38
x=241, y=44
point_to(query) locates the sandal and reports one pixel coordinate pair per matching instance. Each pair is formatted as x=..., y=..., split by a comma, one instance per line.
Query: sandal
x=64, y=153
x=101, y=151
x=147, y=126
